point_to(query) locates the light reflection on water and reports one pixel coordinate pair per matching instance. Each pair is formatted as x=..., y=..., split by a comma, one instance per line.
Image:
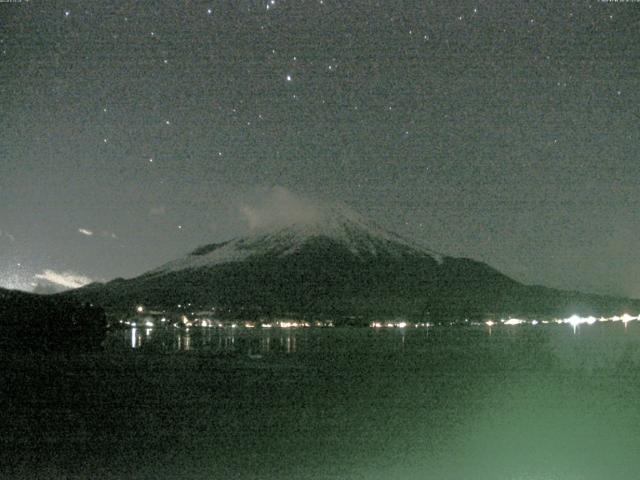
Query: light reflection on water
x=216, y=340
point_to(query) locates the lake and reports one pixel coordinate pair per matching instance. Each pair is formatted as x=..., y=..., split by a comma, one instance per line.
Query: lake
x=521, y=402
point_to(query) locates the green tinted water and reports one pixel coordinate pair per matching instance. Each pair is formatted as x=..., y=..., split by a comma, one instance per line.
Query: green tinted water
x=447, y=403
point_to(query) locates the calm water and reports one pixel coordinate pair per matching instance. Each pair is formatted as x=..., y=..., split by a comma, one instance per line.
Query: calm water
x=445, y=403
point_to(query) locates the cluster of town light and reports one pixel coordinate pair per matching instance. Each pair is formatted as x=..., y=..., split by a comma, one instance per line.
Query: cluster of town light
x=399, y=324
x=147, y=319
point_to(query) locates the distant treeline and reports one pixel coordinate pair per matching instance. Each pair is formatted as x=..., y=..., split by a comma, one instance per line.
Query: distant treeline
x=39, y=322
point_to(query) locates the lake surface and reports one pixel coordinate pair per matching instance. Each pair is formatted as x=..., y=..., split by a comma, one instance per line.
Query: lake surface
x=518, y=402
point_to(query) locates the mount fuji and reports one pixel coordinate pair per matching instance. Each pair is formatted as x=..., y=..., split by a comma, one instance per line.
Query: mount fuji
x=335, y=263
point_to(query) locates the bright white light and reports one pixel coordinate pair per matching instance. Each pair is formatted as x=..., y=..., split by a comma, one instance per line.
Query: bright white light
x=401, y=324
x=489, y=323
x=513, y=321
x=148, y=323
x=574, y=320
x=289, y=78
x=139, y=309
x=534, y=322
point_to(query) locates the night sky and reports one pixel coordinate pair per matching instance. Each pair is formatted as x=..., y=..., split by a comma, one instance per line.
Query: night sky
x=508, y=132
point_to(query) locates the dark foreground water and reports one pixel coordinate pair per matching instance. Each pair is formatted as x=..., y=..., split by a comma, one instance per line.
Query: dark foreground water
x=446, y=403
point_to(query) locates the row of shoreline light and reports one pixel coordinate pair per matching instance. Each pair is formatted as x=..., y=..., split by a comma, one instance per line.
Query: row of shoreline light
x=573, y=320
x=185, y=322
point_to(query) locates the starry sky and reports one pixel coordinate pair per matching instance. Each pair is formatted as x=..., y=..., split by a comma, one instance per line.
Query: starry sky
x=133, y=131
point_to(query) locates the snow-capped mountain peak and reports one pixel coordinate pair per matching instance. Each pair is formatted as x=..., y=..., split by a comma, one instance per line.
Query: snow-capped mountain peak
x=335, y=223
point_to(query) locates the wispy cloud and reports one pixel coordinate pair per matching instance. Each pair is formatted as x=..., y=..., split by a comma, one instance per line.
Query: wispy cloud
x=7, y=236
x=64, y=279
x=86, y=232
x=279, y=207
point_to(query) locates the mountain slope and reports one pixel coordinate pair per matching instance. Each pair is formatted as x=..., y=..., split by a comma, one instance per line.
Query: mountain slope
x=337, y=265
